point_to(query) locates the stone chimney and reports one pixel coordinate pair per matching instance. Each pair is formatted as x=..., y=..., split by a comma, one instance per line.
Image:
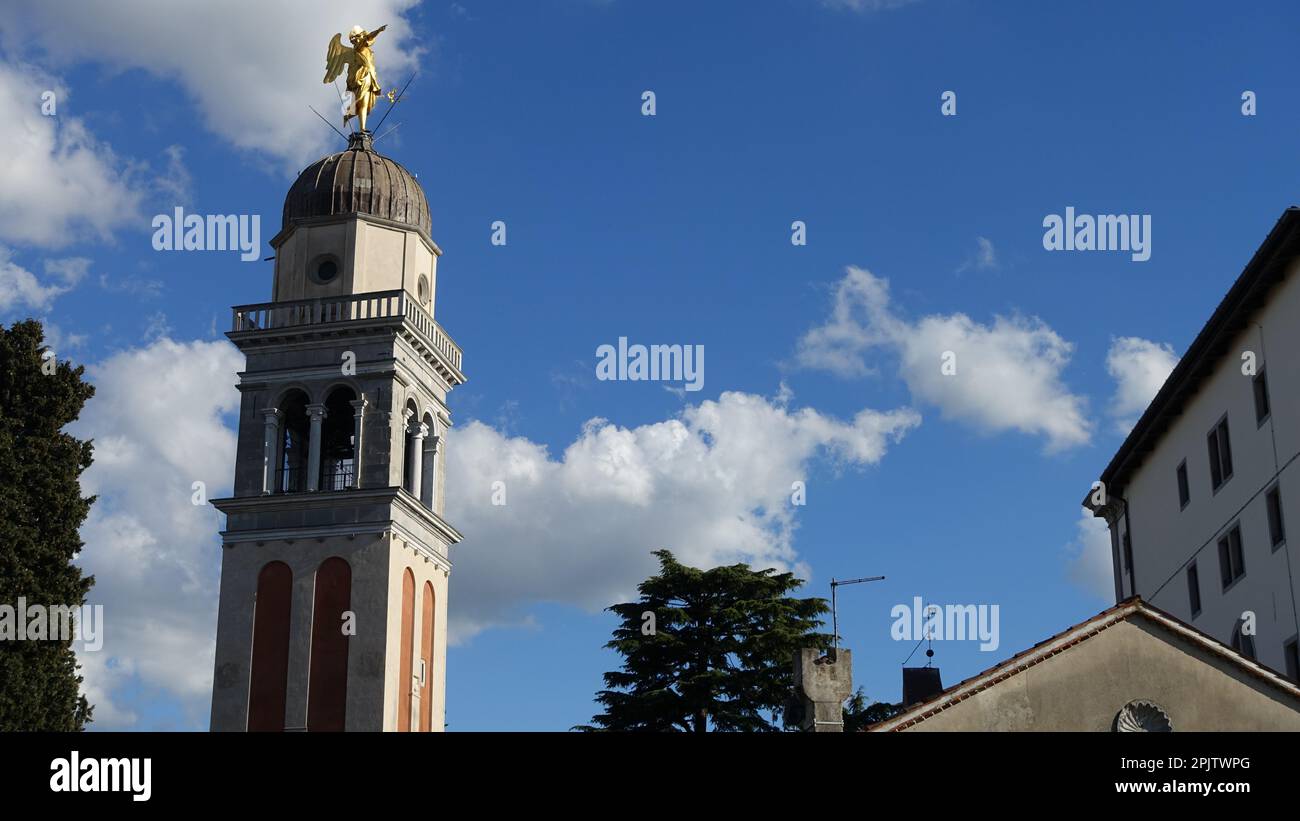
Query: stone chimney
x=920, y=684
x=822, y=682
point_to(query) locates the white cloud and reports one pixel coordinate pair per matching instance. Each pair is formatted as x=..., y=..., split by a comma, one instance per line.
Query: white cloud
x=57, y=340
x=71, y=270
x=1090, y=565
x=1139, y=367
x=1008, y=374
x=61, y=184
x=251, y=67
x=713, y=486
x=20, y=288
x=985, y=257
x=156, y=421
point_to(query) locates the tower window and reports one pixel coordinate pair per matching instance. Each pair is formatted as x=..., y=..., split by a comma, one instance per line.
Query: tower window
x=1220, y=454
x=1184, y=490
x=422, y=288
x=323, y=270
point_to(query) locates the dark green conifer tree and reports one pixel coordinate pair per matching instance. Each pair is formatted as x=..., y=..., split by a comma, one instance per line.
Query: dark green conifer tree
x=41, y=511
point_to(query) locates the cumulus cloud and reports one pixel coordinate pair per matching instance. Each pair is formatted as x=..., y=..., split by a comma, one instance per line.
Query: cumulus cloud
x=156, y=421
x=1139, y=368
x=21, y=289
x=251, y=67
x=61, y=183
x=1090, y=565
x=713, y=485
x=1006, y=375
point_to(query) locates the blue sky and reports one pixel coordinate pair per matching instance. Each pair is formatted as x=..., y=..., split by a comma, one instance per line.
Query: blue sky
x=674, y=229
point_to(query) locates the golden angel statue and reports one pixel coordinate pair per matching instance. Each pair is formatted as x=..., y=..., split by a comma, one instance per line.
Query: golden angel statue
x=362, y=80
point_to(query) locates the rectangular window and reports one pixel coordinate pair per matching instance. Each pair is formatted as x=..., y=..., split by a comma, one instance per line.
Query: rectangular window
x=1261, y=398
x=1194, y=589
x=1220, y=454
x=1128, y=554
x=1276, y=532
x=1231, y=561
x=1184, y=490
x=1292, y=653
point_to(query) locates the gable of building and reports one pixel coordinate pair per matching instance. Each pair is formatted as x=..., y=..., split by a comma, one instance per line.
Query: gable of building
x=1131, y=656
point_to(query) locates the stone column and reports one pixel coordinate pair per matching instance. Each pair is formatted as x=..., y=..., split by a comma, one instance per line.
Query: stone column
x=418, y=431
x=358, y=415
x=408, y=419
x=270, y=448
x=429, y=480
x=317, y=413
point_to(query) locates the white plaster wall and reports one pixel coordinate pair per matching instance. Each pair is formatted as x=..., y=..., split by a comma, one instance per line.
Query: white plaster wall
x=1166, y=539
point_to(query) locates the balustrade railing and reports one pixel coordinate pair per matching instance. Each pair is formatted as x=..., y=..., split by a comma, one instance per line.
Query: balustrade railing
x=397, y=305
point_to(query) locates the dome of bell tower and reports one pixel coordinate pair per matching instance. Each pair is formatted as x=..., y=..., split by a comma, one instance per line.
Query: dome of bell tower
x=358, y=180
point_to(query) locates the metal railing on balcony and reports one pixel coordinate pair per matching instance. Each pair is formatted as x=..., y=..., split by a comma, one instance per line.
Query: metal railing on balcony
x=293, y=479
x=338, y=475
x=396, y=305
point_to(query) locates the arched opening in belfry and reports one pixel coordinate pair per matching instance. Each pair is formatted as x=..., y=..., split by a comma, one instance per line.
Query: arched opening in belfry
x=428, y=463
x=295, y=435
x=410, y=421
x=338, y=461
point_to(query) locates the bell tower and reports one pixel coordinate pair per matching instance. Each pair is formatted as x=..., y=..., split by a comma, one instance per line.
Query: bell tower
x=335, y=558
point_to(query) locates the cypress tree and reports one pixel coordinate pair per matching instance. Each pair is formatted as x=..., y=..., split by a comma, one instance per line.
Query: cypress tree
x=41, y=511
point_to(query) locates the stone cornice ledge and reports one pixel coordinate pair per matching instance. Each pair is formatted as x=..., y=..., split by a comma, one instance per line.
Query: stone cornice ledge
x=327, y=499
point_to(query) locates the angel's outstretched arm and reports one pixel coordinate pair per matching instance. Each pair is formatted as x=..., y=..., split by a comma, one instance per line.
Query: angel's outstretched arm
x=370, y=38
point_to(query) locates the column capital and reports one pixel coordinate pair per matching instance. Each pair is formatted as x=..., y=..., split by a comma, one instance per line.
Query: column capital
x=271, y=415
x=317, y=411
x=358, y=406
x=418, y=430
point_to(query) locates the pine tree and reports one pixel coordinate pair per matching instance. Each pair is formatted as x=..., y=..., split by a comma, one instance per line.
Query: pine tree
x=715, y=653
x=41, y=511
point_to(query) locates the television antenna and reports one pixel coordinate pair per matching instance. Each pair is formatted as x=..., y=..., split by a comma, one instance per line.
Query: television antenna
x=835, y=622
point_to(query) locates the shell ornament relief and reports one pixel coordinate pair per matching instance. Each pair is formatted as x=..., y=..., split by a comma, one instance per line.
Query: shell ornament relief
x=1142, y=717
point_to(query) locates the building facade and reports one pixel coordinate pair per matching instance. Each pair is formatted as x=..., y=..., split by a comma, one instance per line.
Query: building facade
x=335, y=560
x=1132, y=668
x=1203, y=497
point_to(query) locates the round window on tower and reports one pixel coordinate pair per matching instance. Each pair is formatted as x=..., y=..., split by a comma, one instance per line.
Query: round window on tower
x=323, y=270
x=422, y=288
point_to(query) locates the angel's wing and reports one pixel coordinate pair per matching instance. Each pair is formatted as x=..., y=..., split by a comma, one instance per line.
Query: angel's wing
x=336, y=58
